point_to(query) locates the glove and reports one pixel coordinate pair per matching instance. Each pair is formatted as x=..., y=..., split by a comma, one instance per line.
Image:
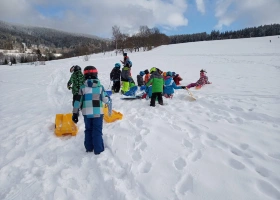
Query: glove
x=75, y=118
x=183, y=87
x=109, y=100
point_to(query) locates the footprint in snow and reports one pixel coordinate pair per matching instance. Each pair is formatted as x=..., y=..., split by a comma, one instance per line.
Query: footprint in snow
x=275, y=155
x=262, y=171
x=187, y=144
x=139, y=123
x=268, y=189
x=179, y=163
x=196, y=156
x=244, y=146
x=142, y=146
x=136, y=156
x=185, y=185
x=138, y=138
x=212, y=137
x=236, y=108
x=145, y=131
x=144, y=167
x=177, y=127
x=236, y=164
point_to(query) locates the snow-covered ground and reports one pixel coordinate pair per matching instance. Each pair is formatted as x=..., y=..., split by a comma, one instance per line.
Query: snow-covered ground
x=224, y=146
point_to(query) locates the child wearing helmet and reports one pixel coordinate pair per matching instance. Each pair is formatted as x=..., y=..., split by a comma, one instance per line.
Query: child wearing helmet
x=201, y=81
x=126, y=78
x=157, y=82
x=76, y=80
x=140, y=80
x=91, y=97
x=169, y=86
x=115, y=76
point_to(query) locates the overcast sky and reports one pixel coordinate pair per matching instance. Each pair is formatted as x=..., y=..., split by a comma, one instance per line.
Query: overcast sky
x=96, y=17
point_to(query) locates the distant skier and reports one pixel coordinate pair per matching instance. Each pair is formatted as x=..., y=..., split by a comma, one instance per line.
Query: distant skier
x=76, y=80
x=91, y=96
x=202, y=80
x=115, y=76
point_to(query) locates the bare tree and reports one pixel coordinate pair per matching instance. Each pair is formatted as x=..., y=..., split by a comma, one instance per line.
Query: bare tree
x=117, y=35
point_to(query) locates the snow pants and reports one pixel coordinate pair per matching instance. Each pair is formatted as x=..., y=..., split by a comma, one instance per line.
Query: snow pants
x=191, y=85
x=157, y=95
x=125, y=86
x=116, y=86
x=93, y=134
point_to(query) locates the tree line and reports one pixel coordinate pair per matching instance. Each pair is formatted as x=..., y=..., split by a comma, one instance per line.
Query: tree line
x=146, y=38
x=260, y=31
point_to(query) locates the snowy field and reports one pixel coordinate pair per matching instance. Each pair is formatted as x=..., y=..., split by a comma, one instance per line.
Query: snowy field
x=224, y=146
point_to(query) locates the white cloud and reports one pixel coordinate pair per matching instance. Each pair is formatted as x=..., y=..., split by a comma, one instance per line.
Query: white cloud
x=248, y=12
x=96, y=17
x=200, y=6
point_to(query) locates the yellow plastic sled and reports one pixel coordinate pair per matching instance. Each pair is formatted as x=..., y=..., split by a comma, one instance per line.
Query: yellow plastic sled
x=115, y=115
x=64, y=125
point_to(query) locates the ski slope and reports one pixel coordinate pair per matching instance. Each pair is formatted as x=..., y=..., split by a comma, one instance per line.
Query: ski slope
x=223, y=146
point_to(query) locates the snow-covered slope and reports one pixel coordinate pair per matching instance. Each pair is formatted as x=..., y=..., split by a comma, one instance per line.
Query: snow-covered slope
x=223, y=146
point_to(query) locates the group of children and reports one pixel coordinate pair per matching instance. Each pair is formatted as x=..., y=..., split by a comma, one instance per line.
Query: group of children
x=89, y=94
x=154, y=81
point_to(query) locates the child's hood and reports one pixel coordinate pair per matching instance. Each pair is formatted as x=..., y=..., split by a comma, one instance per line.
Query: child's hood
x=92, y=83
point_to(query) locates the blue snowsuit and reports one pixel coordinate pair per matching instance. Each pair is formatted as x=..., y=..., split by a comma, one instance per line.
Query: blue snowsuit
x=169, y=86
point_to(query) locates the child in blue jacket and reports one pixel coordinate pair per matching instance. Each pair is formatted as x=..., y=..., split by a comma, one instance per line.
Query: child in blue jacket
x=90, y=98
x=169, y=86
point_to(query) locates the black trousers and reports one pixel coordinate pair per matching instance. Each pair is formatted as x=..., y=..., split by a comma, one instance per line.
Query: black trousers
x=116, y=86
x=157, y=95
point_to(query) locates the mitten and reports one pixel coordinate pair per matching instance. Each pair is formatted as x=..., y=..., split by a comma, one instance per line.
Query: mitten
x=75, y=118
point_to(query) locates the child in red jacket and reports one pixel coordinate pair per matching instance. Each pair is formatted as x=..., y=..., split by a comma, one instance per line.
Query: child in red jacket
x=177, y=78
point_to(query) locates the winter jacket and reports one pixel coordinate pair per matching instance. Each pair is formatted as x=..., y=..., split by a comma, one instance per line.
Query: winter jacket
x=203, y=80
x=91, y=97
x=76, y=80
x=157, y=82
x=146, y=78
x=115, y=74
x=140, y=80
x=125, y=74
x=177, y=79
x=125, y=60
x=169, y=86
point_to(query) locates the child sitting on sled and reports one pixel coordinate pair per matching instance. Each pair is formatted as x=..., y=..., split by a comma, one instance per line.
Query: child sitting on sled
x=169, y=86
x=202, y=80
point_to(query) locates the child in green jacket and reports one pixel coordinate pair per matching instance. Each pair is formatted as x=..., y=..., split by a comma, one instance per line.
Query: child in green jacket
x=157, y=81
x=76, y=80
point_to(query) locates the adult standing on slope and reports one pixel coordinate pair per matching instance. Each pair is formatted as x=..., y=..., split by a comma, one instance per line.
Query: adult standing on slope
x=125, y=59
